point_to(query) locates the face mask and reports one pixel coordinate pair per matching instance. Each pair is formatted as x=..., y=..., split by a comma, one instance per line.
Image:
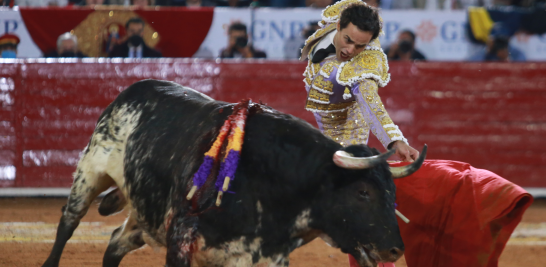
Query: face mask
x=68, y=54
x=135, y=40
x=405, y=46
x=8, y=54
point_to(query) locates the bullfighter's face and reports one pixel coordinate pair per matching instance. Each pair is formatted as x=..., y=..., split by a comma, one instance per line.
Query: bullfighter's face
x=350, y=41
x=358, y=216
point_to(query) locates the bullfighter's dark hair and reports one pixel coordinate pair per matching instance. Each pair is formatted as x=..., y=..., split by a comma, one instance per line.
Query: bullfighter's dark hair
x=237, y=26
x=364, y=17
x=134, y=20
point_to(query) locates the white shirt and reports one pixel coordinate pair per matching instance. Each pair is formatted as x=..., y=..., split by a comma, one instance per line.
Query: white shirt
x=325, y=42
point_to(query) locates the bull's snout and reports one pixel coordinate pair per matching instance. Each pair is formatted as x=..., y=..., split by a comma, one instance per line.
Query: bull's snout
x=369, y=255
x=390, y=255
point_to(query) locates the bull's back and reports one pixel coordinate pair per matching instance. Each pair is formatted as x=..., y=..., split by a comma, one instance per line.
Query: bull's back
x=171, y=128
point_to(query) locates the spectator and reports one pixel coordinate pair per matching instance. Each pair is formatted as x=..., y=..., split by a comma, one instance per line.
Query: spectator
x=67, y=46
x=199, y=3
x=141, y=3
x=498, y=49
x=311, y=28
x=41, y=3
x=8, y=45
x=404, y=48
x=287, y=3
x=119, y=2
x=189, y=3
x=234, y=3
x=318, y=3
x=93, y=2
x=238, y=46
x=134, y=46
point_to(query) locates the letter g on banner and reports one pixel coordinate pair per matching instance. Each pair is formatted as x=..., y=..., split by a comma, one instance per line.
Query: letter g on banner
x=449, y=31
x=259, y=31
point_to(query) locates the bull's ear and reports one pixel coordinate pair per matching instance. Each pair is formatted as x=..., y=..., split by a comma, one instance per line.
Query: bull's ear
x=399, y=172
x=348, y=161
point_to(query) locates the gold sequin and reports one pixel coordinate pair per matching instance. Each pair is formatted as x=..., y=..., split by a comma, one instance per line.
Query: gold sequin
x=346, y=127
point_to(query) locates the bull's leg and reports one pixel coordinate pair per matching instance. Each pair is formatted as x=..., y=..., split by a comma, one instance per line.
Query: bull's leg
x=112, y=203
x=87, y=186
x=125, y=239
x=180, y=237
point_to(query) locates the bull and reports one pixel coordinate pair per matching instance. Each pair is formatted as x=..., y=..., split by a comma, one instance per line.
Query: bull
x=288, y=189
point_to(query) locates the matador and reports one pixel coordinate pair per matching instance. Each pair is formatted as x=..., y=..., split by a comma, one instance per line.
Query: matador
x=460, y=215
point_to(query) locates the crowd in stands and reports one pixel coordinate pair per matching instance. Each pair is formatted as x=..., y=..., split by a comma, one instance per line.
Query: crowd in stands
x=496, y=47
x=384, y=4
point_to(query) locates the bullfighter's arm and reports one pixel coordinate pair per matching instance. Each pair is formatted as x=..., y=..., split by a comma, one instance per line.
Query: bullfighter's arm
x=374, y=112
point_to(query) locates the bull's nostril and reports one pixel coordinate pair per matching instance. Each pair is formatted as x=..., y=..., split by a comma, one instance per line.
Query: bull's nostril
x=396, y=252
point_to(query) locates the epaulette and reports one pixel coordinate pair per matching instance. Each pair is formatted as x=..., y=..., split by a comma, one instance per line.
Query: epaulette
x=369, y=64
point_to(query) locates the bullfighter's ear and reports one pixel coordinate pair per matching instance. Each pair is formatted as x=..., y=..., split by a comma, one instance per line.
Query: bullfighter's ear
x=348, y=161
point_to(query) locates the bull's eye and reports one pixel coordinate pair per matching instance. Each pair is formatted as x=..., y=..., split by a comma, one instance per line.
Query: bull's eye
x=363, y=194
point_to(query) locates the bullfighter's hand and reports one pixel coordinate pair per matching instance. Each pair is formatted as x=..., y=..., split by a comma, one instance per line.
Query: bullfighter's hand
x=405, y=152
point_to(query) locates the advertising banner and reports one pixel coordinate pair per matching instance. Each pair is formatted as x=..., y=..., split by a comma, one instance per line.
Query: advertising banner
x=12, y=22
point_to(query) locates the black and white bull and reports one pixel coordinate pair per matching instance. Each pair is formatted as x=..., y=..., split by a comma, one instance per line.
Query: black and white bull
x=287, y=189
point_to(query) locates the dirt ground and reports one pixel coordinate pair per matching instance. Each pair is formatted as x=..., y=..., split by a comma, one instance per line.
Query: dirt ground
x=28, y=226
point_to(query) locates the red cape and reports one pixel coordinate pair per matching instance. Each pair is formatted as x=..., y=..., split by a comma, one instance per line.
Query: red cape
x=459, y=215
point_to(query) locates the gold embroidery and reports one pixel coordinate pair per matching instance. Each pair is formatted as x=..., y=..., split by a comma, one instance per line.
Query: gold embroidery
x=327, y=107
x=368, y=90
x=310, y=73
x=328, y=67
x=314, y=94
x=320, y=33
x=316, y=68
x=367, y=62
x=346, y=127
x=322, y=84
x=308, y=80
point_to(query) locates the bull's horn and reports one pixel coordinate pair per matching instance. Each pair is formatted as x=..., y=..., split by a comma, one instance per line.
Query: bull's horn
x=399, y=172
x=348, y=161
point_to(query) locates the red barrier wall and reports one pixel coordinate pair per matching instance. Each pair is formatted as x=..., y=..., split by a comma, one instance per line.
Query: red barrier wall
x=490, y=115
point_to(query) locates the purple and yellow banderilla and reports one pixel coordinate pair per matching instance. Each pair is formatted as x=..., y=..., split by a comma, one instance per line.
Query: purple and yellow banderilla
x=235, y=125
x=231, y=159
x=200, y=177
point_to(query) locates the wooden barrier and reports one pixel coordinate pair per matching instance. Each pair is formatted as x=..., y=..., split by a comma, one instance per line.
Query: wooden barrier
x=492, y=116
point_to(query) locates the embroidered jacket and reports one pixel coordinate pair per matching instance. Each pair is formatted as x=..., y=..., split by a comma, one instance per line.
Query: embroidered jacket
x=344, y=95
